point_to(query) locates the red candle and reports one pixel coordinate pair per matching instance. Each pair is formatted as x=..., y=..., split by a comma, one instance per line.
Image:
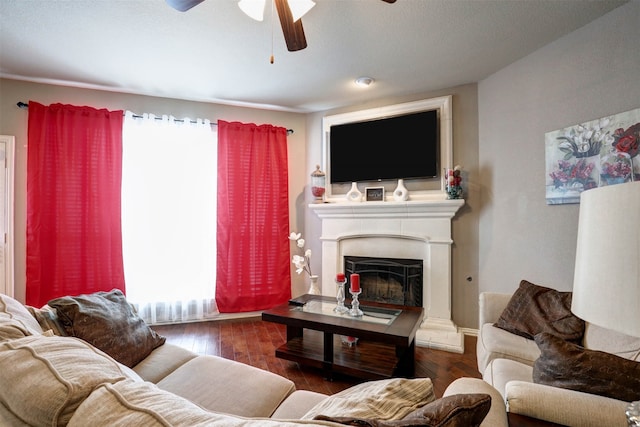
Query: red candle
x=355, y=283
x=340, y=277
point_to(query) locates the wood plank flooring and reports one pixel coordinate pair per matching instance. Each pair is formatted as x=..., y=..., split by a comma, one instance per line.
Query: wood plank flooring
x=253, y=341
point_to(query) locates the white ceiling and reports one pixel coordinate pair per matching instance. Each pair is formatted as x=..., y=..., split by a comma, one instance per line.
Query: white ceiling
x=215, y=53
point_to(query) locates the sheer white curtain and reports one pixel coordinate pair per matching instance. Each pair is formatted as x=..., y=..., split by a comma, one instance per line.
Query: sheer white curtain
x=169, y=217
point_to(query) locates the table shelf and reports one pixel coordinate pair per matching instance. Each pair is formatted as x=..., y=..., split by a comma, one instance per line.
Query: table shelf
x=366, y=359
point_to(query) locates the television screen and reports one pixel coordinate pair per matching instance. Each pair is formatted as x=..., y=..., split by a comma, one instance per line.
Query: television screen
x=391, y=148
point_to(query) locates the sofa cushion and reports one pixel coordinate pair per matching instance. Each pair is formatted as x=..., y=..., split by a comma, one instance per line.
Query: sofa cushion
x=224, y=385
x=533, y=309
x=390, y=399
x=609, y=341
x=162, y=361
x=458, y=410
x=144, y=404
x=107, y=321
x=44, y=379
x=567, y=365
x=8, y=418
x=15, y=320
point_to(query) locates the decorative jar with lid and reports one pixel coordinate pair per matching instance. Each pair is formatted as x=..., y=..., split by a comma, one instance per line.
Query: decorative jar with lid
x=318, y=184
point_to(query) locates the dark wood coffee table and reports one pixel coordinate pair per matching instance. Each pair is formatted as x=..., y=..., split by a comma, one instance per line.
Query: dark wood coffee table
x=386, y=337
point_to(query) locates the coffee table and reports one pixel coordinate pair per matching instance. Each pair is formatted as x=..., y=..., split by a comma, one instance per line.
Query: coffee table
x=386, y=337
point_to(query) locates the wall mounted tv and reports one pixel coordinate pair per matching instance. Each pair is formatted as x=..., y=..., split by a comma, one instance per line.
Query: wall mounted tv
x=399, y=147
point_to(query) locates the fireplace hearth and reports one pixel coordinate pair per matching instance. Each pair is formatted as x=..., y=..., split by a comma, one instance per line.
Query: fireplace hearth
x=387, y=280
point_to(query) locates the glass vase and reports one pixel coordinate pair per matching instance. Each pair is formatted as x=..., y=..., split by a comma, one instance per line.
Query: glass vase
x=453, y=183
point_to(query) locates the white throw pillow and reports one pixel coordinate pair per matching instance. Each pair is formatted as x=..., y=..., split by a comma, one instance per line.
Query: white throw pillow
x=391, y=399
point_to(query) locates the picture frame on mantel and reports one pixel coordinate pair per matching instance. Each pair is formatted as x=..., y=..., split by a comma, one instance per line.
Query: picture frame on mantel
x=374, y=194
x=605, y=151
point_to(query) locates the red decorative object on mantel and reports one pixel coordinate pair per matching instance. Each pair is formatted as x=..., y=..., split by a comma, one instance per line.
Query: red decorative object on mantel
x=355, y=283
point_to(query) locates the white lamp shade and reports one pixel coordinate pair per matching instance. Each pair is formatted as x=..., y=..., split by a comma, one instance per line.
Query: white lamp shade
x=606, y=284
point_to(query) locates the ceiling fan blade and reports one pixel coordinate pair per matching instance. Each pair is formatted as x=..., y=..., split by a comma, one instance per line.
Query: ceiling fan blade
x=293, y=31
x=389, y=1
x=183, y=5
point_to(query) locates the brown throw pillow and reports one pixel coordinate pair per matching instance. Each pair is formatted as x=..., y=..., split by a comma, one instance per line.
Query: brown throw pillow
x=534, y=309
x=107, y=321
x=458, y=410
x=566, y=365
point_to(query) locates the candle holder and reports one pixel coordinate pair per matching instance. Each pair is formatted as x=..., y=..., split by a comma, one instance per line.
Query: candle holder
x=340, y=308
x=355, y=304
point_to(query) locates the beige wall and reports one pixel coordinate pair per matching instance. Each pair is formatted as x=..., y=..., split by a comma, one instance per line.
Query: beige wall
x=13, y=121
x=590, y=73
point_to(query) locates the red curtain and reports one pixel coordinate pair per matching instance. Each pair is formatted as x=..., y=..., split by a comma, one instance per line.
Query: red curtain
x=253, y=266
x=74, y=171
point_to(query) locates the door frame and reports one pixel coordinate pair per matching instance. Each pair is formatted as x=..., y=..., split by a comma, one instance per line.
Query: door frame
x=9, y=210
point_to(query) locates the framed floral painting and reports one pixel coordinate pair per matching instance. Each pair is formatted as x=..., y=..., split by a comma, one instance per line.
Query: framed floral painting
x=592, y=154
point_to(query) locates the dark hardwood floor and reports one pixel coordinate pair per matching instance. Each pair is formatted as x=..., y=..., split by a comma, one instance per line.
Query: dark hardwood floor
x=253, y=341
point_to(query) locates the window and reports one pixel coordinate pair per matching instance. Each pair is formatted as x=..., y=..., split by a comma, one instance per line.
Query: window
x=169, y=217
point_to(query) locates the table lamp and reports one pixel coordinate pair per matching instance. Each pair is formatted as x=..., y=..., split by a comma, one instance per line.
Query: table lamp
x=606, y=283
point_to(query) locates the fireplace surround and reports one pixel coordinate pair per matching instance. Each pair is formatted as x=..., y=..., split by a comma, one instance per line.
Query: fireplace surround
x=417, y=230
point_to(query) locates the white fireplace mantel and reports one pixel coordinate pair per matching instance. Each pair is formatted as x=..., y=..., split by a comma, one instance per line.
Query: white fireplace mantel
x=411, y=229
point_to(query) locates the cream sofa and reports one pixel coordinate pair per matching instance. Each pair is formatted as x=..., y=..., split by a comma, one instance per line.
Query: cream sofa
x=46, y=379
x=506, y=361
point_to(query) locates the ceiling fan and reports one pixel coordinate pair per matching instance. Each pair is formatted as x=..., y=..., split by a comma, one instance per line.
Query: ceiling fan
x=291, y=25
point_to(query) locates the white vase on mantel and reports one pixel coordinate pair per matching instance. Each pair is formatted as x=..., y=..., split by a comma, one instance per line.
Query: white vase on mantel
x=354, y=195
x=401, y=194
x=313, y=286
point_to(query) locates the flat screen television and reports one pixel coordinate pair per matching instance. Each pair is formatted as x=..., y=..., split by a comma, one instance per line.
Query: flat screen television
x=390, y=148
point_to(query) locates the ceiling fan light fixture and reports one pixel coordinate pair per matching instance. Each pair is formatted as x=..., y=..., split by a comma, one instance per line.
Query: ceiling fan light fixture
x=364, y=81
x=254, y=9
x=300, y=7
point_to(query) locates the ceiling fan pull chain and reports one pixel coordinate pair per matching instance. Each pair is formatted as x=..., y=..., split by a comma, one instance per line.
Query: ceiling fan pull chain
x=271, y=59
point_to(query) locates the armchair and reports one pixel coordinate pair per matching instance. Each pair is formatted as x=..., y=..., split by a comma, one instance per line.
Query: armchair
x=506, y=360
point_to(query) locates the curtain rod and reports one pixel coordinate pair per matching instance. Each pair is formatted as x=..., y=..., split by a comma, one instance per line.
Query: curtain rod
x=25, y=105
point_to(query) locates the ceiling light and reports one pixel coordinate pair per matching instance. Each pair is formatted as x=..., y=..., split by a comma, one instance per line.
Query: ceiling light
x=364, y=81
x=300, y=7
x=255, y=8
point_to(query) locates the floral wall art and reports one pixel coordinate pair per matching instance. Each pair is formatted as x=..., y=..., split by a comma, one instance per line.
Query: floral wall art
x=592, y=154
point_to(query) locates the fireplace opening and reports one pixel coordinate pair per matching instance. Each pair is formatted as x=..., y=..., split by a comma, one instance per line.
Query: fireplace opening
x=387, y=280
